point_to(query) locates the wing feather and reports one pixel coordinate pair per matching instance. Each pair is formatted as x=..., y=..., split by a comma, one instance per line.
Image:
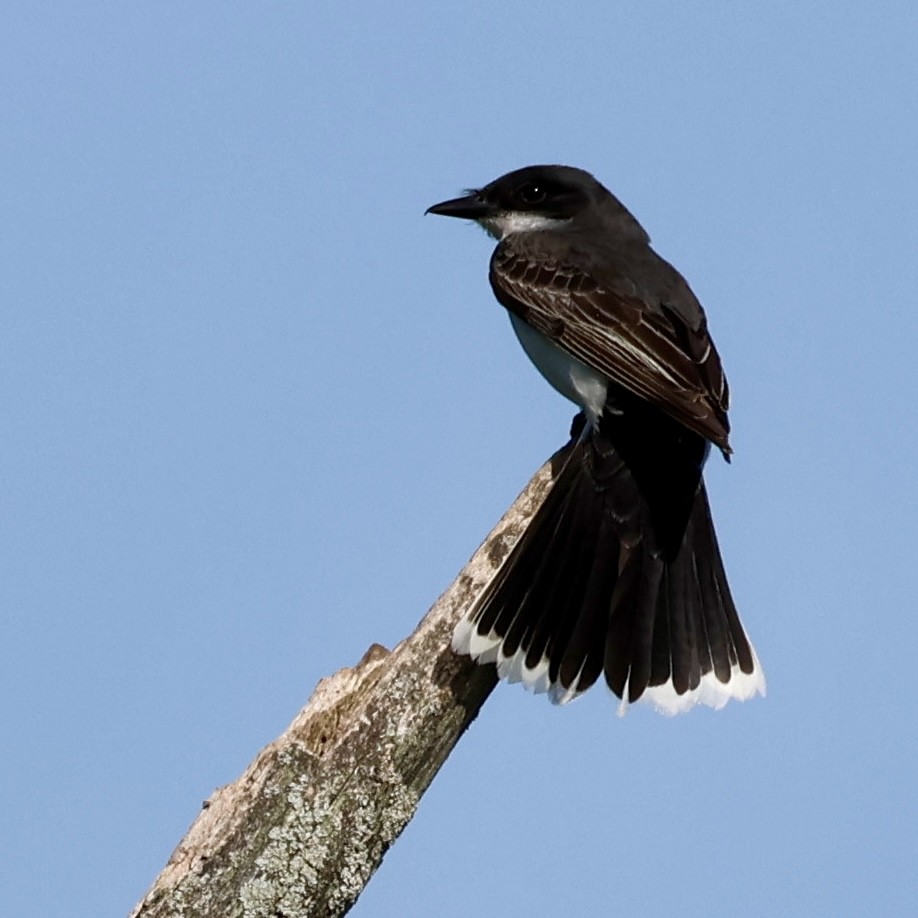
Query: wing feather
x=652, y=341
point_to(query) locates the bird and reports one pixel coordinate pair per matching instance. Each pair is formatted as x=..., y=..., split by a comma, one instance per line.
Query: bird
x=619, y=573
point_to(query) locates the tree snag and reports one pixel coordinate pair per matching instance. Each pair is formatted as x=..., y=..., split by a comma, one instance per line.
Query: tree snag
x=301, y=832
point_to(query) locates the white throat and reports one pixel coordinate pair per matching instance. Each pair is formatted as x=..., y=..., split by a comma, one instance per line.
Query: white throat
x=515, y=221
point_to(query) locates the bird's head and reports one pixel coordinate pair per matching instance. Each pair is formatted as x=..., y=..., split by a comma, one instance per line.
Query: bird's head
x=533, y=198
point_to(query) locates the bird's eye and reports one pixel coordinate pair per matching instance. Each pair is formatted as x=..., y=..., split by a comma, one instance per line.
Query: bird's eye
x=533, y=193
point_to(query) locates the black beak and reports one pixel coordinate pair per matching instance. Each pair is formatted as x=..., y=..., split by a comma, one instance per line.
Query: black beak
x=471, y=207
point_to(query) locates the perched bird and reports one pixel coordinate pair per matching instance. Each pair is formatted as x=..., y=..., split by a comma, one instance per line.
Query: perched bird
x=619, y=571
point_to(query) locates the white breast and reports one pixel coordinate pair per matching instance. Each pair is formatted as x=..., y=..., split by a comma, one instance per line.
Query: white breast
x=583, y=385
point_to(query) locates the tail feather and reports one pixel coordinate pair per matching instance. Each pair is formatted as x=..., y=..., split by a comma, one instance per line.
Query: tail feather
x=589, y=590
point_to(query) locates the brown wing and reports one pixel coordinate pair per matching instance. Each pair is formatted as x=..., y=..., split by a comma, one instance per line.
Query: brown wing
x=635, y=320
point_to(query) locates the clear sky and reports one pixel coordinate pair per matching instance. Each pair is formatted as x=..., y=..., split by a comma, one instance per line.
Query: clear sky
x=256, y=412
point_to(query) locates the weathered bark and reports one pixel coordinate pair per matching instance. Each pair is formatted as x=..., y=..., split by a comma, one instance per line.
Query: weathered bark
x=303, y=829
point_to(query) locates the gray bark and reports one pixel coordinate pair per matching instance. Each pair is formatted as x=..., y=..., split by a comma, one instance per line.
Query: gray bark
x=303, y=829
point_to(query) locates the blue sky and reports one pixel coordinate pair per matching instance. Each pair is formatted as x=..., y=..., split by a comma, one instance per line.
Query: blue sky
x=256, y=412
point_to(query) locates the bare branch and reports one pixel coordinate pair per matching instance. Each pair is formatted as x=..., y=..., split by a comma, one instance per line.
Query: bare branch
x=303, y=829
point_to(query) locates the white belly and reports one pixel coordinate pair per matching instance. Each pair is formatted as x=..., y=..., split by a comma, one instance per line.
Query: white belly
x=583, y=385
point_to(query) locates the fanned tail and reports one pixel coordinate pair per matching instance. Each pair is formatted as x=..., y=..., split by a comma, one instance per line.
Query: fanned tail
x=593, y=587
